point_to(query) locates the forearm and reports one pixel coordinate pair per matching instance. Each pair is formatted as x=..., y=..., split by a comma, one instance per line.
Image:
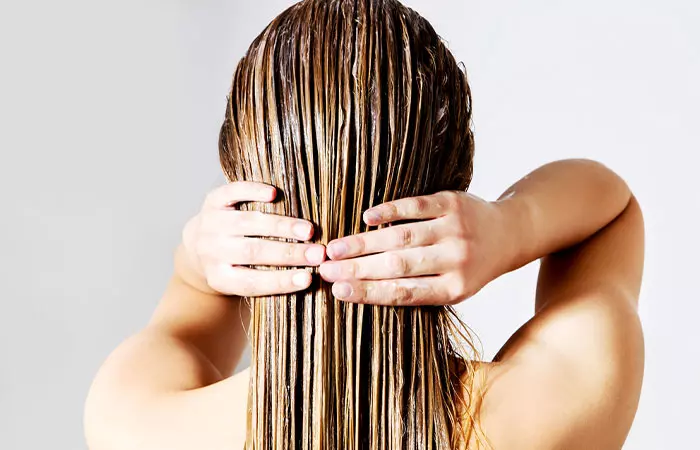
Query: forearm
x=215, y=324
x=559, y=205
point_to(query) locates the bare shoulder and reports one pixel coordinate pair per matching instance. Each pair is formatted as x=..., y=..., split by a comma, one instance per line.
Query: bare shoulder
x=575, y=383
x=571, y=376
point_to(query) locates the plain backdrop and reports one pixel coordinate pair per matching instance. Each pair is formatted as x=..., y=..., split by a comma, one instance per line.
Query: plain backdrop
x=109, y=114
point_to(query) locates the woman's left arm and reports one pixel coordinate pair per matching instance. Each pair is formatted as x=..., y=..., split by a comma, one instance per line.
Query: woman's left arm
x=163, y=387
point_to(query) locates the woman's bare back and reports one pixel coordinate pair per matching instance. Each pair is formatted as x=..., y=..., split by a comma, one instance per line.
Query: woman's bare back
x=569, y=378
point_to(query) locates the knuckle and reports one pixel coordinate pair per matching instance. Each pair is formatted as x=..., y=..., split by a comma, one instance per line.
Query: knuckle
x=246, y=221
x=428, y=234
x=460, y=288
x=241, y=227
x=397, y=264
x=358, y=243
x=390, y=210
x=279, y=226
x=247, y=249
x=452, y=199
x=354, y=269
x=462, y=250
x=403, y=236
x=210, y=198
x=439, y=199
x=458, y=228
x=216, y=197
x=243, y=282
x=256, y=216
x=416, y=206
x=402, y=295
x=461, y=233
x=201, y=247
x=204, y=223
x=241, y=224
x=457, y=290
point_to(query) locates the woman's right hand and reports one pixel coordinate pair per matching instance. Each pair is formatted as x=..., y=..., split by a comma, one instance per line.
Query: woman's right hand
x=216, y=244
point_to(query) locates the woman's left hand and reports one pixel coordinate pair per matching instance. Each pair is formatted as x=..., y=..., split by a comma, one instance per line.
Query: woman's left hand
x=459, y=244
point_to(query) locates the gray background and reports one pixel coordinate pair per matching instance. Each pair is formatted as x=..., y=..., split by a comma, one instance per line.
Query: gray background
x=109, y=118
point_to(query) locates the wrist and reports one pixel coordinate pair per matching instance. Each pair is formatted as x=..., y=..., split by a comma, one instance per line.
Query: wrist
x=184, y=270
x=515, y=216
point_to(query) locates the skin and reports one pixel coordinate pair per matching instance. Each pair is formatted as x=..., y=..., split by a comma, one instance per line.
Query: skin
x=579, y=359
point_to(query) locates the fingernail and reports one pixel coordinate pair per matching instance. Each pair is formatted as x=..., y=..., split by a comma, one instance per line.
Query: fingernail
x=302, y=229
x=301, y=279
x=341, y=290
x=371, y=216
x=314, y=254
x=337, y=249
x=329, y=271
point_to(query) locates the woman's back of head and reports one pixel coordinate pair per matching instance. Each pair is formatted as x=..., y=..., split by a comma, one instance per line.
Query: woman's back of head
x=342, y=105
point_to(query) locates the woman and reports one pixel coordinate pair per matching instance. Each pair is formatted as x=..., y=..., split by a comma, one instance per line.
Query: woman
x=344, y=116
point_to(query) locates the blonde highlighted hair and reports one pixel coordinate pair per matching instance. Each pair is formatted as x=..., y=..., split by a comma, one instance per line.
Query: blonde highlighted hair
x=342, y=105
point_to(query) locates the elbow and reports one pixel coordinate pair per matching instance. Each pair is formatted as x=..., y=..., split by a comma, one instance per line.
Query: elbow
x=110, y=410
x=610, y=185
x=95, y=425
x=104, y=414
x=108, y=423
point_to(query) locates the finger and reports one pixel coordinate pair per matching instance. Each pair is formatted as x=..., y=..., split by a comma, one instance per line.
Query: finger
x=255, y=223
x=243, y=281
x=402, y=236
x=421, y=207
x=238, y=250
x=430, y=260
x=430, y=290
x=239, y=191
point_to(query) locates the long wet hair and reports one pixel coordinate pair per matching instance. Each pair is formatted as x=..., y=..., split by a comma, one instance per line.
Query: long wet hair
x=343, y=105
